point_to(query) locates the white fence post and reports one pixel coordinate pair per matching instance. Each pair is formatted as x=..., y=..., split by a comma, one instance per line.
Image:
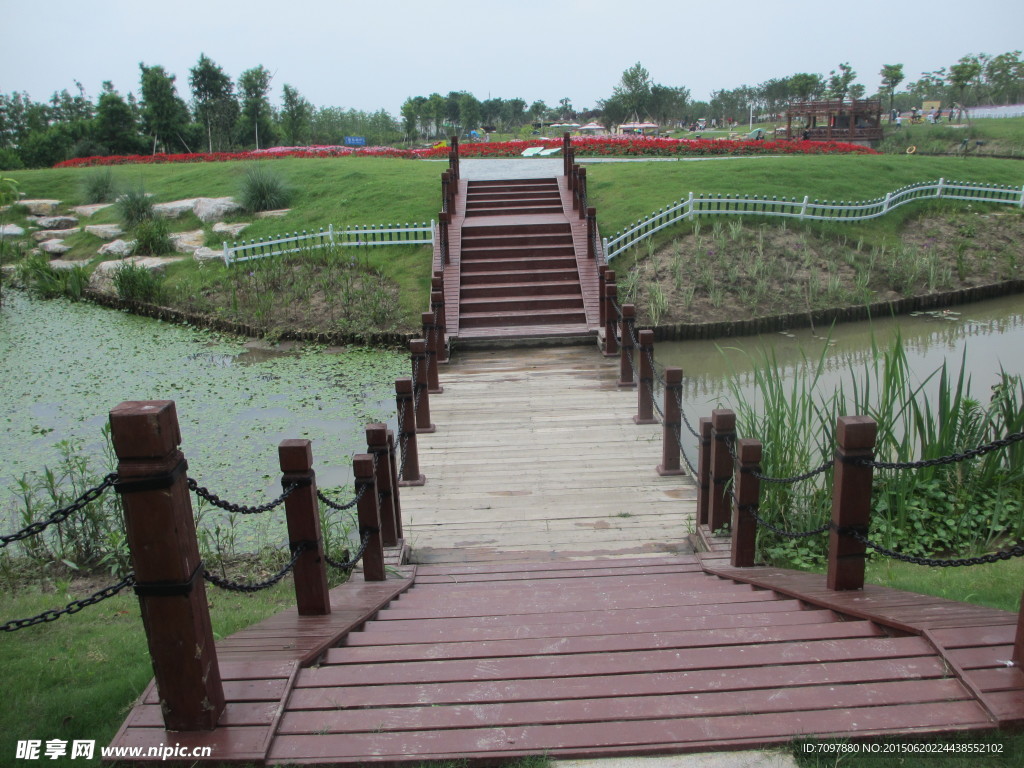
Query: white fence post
x=938, y=191
x=227, y=252
x=330, y=233
x=1022, y=195
x=885, y=203
x=803, y=208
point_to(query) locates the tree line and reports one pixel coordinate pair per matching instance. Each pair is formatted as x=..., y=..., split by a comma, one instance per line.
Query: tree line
x=225, y=115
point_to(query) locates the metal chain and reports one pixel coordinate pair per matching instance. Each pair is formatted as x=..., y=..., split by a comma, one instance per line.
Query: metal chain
x=348, y=565
x=73, y=607
x=61, y=514
x=679, y=445
x=981, y=450
x=237, y=586
x=798, y=478
x=686, y=421
x=1016, y=550
x=341, y=507
x=753, y=508
x=240, y=509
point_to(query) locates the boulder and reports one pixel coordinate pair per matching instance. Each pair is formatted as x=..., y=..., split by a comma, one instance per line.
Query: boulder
x=41, y=207
x=117, y=248
x=52, y=234
x=207, y=254
x=230, y=230
x=61, y=264
x=11, y=230
x=273, y=214
x=188, y=242
x=54, y=247
x=102, y=278
x=57, y=222
x=174, y=209
x=104, y=231
x=215, y=208
x=89, y=210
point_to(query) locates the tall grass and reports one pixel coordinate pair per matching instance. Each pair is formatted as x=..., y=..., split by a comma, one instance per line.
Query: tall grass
x=137, y=283
x=99, y=186
x=264, y=190
x=35, y=273
x=960, y=508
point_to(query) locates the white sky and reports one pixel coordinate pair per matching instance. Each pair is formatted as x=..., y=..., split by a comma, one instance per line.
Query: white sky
x=368, y=55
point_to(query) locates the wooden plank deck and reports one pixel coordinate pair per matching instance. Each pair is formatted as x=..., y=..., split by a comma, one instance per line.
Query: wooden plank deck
x=536, y=456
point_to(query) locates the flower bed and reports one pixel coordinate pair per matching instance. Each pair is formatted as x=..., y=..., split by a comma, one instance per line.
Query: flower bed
x=616, y=146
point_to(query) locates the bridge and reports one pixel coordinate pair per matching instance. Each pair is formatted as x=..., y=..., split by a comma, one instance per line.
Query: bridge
x=540, y=571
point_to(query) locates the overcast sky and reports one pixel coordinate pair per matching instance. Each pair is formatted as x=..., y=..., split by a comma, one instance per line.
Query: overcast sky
x=370, y=55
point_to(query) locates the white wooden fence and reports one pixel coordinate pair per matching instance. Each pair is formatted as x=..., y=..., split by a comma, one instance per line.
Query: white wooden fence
x=735, y=205
x=390, y=234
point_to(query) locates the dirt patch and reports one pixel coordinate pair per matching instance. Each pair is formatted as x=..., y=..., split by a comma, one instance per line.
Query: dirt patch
x=736, y=270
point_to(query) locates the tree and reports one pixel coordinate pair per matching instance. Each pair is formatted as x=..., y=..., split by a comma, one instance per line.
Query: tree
x=164, y=114
x=892, y=75
x=962, y=73
x=469, y=112
x=1005, y=76
x=296, y=116
x=839, y=81
x=667, y=104
x=634, y=90
x=114, y=127
x=255, y=123
x=213, y=102
x=806, y=87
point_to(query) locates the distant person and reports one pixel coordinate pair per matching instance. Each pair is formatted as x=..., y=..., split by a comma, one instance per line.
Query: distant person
x=899, y=122
x=807, y=134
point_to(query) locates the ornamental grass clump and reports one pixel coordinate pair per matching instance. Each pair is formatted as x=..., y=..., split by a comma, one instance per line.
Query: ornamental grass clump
x=99, y=187
x=135, y=206
x=152, y=238
x=264, y=190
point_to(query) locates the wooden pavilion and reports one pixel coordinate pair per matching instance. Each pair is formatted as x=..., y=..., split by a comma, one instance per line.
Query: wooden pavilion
x=857, y=121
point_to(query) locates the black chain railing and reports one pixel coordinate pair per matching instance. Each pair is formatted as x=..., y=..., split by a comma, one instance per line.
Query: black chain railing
x=341, y=507
x=214, y=499
x=238, y=586
x=753, y=510
x=73, y=607
x=61, y=514
x=348, y=565
x=952, y=458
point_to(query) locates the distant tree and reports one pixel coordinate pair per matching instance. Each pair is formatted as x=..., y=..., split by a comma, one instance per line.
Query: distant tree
x=469, y=112
x=565, y=110
x=115, y=127
x=1005, y=76
x=930, y=86
x=839, y=81
x=806, y=87
x=668, y=105
x=213, y=102
x=634, y=90
x=513, y=112
x=255, y=125
x=538, y=111
x=962, y=74
x=296, y=116
x=164, y=114
x=892, y=75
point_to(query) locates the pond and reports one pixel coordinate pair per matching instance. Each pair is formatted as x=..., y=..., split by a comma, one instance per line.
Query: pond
x=66, y=365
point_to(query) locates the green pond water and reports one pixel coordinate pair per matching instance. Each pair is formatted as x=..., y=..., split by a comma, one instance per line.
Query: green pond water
x=66, y=365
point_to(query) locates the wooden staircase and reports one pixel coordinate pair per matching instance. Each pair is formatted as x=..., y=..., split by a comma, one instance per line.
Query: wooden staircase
x=518, y=264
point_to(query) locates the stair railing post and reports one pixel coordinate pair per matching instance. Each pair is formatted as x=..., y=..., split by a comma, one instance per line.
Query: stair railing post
x=723, y=430
x=395, y=495
x=602, y=281
x=566, y=145
x=747, y=492
x=645, y=388
x=670, y=448
x=443, y=218
x=591, y=232
x=575, y=187
x=851, y=501
x=438, y=309
x=405, y=400
x=704, y=471
x=369, y=517
x=421, y=386
x=611, y=292
x=168, y=570
x=302, y=511
x=1018, y=644
x=377, y=446
x=430, y=336
x=583, y=192
x=626, y=356
x=445, y=199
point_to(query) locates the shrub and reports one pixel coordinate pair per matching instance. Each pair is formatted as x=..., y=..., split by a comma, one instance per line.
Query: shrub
x=152, y=238
x=99, y=187
x=263, y=190
x=36, y=274
x=136, y=283
x=135, y=207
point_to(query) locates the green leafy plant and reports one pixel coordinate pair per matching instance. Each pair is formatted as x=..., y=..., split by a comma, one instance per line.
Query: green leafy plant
x=152, y=238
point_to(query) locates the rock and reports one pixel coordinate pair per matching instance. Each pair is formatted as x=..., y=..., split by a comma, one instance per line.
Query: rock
x=215, y=208
x=104, y=231
x=273, y=214
x=102, y=278
x=57, y=222
x=188, y=242
x=174, y=209
x=54, y=247
x=61, y=264
x=117, y=248
x=41, y=207
x=11, y=230
x=207, y=254
x=89, y=210
x=52, y=234
x=233, y=230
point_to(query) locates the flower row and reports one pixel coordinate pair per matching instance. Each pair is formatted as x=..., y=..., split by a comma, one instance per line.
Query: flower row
x=615, y=146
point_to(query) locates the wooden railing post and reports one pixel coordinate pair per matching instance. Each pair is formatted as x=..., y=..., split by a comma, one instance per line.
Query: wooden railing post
x=302, y=511
x=670, y=448
x=445, y=196
x=611, y=295
x=443, y=220
x=377, y=446
x=747, y=492
x=575, y=187
x=602, y=304
x=421, y=387
x=591, y=232
x=851, y=501
x=430, y=337
x=626, y=356
x=645, y=388
x=566, y=146
x=723, y=429
x=704, y=471
x=369, y=517
x=582, y=191
x=437, y=307
x=1018, y=645
x=161, y=536
x=405, y=400
x=396, y=497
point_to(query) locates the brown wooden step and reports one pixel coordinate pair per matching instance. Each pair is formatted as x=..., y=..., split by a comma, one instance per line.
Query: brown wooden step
x=492, y=184
x=510, y=202
x=518, y=239
x=509, y=288
x=516, y=251
x=529, y=262
x=531, y=317
x=503, y=228
x=522, y=303
x=519, y=276
x=521, y=194
x=515, y=210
